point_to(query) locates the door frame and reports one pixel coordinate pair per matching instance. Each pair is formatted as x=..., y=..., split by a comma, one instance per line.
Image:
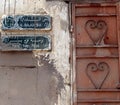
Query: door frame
x=73, y=56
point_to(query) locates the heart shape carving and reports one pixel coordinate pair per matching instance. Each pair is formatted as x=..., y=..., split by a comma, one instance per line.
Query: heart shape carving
x=97, y=73
x=96, y=30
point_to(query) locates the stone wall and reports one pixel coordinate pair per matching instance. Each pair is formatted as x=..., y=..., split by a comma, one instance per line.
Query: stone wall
x=37, y=77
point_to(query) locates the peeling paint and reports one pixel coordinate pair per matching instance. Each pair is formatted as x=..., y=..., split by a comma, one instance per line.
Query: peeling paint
x=60, y=49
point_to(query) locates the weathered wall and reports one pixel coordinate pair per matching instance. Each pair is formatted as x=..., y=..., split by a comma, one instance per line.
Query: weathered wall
x=37, y=78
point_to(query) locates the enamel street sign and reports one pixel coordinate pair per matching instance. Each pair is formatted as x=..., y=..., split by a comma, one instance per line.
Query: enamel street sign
x=26, y=22
x=25, y=43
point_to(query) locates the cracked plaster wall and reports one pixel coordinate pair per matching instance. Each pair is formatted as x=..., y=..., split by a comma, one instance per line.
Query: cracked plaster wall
x=38, y=77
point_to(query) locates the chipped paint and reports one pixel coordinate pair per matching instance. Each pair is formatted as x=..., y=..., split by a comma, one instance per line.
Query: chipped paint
x=60, y=49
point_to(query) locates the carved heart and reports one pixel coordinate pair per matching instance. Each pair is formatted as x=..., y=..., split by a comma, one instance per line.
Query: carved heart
x=97, y=73
x=96, y=30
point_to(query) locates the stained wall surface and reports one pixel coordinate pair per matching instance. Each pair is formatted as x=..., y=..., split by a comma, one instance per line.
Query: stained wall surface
x=37, y=77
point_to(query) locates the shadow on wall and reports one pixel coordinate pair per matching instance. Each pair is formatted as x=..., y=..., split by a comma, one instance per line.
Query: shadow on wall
x=49, y=80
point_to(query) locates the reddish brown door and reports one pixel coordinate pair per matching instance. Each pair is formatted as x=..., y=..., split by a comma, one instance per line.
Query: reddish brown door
x=97, y=52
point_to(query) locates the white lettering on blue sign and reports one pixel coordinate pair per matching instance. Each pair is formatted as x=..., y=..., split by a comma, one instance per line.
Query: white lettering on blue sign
x=28, y=43
x=26, y=22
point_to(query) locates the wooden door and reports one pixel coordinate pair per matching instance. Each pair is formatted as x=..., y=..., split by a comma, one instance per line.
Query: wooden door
x=96, y=30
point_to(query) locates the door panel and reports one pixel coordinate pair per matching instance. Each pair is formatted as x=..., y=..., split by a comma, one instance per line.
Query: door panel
x=82, y=10
x=83, y=31
x=97, y=47
x=97, y=73
x=99, y=104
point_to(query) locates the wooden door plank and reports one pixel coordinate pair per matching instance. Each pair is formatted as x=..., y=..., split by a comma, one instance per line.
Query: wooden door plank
x=118, y=32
